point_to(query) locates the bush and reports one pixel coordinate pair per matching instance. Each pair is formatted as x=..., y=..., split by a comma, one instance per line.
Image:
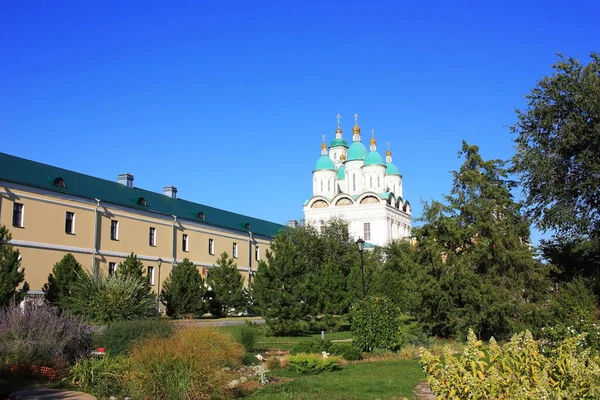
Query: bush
x=516, y=371
x=286, y=327
x=312, y=363
x=273, y=363
x=188, y=365
x=348, y=351
x=311, y=346
x=38, y=335
x=119, y=336
x=327, y=323
x=114, y=298
x=375, y=324
x=183, y=292
x=102, y=376
x=246, y=335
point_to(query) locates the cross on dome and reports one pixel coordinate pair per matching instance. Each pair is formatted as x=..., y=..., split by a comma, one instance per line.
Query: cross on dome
x=339, y=117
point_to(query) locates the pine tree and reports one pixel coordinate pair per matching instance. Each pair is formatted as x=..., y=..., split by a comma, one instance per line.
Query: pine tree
x=227, y=286
x=132, y=267
x=10, y=273
x=65, y=274
x=183, y=291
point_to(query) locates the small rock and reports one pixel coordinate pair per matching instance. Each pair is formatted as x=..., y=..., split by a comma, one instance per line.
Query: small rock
x=233, y=383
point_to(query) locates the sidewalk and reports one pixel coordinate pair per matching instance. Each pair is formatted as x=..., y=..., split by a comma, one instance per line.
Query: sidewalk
x=48, y=394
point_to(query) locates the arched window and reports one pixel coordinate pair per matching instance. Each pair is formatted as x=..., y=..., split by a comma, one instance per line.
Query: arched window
x=353, y=181
x=201, y=215
x=370, y=181
x=59, y=182
x=142, y=202
x=329, y=185
x=321, y=185
x=378, y=181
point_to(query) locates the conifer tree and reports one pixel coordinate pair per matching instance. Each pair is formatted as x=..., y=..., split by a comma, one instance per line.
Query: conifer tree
x=132, y=267
x=10, y=273
x=183, y=291
x=59, y=287
x=227, y=286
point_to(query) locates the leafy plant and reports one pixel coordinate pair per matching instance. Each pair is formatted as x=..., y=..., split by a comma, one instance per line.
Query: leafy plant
x=183, y=291
x=347, y=351
x=119, y=336
x=39, y=335
x=114, y=298
x=375, y=324
x=188, y=365
x=311, y=346
x=102, y=376
x=304, y=363
x=247, y=336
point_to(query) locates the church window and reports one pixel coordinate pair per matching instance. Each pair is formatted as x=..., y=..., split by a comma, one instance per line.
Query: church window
x=367, y=229
x=329, y=185
x=353, y=181
x=370, y=181
x=378, y=181
x=335, y=156
x=321, y=186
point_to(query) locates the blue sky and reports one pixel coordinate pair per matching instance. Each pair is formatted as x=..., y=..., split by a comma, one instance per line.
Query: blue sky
x=228, y=100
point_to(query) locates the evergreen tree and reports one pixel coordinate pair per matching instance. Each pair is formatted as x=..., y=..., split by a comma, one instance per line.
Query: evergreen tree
x=59, y=287
x=132, y=267
x=10, y=273
x=227, y=286
x=183, y=291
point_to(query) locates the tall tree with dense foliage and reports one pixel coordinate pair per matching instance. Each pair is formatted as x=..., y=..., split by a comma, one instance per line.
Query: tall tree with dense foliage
x=132, y=267
x=61, y=281
x=475, y=246
x=557, y=157
x=183, y=291
x=11, y=273
x=226, y=285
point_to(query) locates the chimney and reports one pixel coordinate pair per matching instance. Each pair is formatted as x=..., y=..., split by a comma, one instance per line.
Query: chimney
x=292, y=223
x=170, y=191
x=126, y=179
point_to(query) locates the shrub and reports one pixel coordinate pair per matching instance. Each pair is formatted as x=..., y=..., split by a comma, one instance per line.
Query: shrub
x=183, y=291
x=304, y=363
x=246, y=335
x=516, y=371
x=375, y=324
x=188, y=365
x=38, y=335
x=102, y=376
x=348, y=351
x=311, y=346
x=114, y=298
x=65, y=274
x=286, y=327
x=273, y=363
x=119, y=336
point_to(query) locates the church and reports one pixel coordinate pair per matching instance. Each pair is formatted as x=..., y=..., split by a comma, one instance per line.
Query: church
x=356, y=185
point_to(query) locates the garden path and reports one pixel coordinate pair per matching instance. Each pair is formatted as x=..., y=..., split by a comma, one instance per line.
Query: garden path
x=48, y=394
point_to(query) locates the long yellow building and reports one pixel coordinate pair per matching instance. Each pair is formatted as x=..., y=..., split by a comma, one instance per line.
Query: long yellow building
x=52, y=211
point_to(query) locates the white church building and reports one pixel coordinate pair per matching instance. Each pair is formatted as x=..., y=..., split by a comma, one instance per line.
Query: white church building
x=358, y=186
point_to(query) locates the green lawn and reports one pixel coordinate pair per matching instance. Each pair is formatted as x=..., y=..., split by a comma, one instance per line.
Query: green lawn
x=287, y=342
x=386, y=379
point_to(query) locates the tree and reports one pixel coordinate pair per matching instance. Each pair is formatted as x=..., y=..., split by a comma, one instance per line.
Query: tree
x=227, y=286
x=481, y=270
x=61, y=281
x=11, y=274
x=183, y=291
x=132, y=267
x=557, y=157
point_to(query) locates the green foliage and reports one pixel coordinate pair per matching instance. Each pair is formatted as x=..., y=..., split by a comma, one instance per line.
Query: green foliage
x=188, y=365
x=59, y=288
x=246, y=336
x=183, y=291
x=107, y=299
x=474, y=249
x=311, y=346
x=11, y=273
x=312, y=364
x=518, y=370
x=227, y=287
x=347, y=351
x=375, y=324
x=131, y=267
x=556, y=155
x=119, y=336
x=101, y=376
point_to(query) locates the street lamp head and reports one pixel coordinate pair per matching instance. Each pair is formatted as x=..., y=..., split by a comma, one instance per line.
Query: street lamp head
x=159, y=262
x=360, y=243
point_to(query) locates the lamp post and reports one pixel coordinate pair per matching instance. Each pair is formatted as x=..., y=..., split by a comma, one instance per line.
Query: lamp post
x=360, y=243
x=159, y=263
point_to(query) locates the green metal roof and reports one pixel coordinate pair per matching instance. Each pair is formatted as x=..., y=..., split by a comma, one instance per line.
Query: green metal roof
x=391, y=169
x=325, y=163
x=338, y=142
x=341, y=172
x=357, y=151
x=35, y=174
x=373, y=158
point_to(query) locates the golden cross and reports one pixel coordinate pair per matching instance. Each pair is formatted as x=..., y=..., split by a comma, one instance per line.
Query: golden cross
x=323, y=138
x=372, y=132
x=355, y=119
x=338, y=118
x=388, y=143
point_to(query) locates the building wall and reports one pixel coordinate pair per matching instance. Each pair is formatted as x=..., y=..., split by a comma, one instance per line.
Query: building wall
x=42, y=239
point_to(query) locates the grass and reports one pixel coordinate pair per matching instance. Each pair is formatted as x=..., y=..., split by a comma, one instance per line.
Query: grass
x=387, y=379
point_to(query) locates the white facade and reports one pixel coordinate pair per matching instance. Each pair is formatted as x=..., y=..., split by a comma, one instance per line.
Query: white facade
x=357, y=186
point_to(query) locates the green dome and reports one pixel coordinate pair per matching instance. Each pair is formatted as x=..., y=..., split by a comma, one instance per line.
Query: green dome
x=357, y=151
x=373, y=158
x=339, y=142
x=342, y=172
x=391, y=169
x=324, y=163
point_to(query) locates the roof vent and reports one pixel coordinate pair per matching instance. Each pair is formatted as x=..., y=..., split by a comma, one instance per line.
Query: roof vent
x=59, y=182
x=170, y=191
x=292, y=223
x=126, y=179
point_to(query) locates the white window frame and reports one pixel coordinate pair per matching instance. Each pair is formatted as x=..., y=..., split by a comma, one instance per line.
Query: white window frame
x=152, y=234
x=257, y=253
x=116, y=229
x=72, y=223
x=235, y=250
x=185, y=242
x=22, y=221
x=211, y=247
x=367, y=232
x=114, y=271
x=150, y=274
